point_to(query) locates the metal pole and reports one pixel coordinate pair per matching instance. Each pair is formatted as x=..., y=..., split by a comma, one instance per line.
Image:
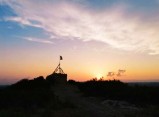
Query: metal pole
x=59, y=64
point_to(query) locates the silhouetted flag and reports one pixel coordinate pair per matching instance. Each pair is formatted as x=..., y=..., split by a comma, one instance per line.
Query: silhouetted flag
x=61, y=58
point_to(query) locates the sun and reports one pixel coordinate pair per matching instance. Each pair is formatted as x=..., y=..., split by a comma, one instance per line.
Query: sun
x=98, y=76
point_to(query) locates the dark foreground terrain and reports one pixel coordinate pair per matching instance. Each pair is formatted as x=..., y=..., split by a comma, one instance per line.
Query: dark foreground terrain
x=40, y=98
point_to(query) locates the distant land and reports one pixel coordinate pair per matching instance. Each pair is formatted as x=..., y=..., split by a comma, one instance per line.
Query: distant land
x=144, y=83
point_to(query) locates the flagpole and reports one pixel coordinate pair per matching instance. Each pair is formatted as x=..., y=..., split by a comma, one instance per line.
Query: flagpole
x=59, y=61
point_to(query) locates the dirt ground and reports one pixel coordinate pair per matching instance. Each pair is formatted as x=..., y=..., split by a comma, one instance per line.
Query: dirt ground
x=89, y=106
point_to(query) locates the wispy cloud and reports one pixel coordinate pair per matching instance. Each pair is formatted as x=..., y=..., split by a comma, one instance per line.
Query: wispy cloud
x=38, y=40
x=72, y=20
x=22, y=21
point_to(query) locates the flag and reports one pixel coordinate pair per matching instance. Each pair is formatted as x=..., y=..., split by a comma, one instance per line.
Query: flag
x=61, y=58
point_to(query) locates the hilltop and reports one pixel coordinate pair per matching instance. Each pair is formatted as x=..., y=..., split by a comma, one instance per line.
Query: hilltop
x=39, y=98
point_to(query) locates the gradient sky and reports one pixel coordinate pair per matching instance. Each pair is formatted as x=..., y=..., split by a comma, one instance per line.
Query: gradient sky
x=93, y=36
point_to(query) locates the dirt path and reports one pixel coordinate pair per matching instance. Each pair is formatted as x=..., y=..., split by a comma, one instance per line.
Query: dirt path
x=83, y=107
x=71, y=94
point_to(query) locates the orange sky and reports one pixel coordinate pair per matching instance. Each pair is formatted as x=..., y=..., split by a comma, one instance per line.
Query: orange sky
x=18, y=64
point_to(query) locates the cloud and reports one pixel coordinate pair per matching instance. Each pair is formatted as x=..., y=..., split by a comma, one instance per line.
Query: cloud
x=22, y=21
x=73, y=20
x=38, y=40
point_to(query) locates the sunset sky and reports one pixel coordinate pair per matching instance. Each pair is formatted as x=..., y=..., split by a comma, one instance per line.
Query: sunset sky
x=93, y=36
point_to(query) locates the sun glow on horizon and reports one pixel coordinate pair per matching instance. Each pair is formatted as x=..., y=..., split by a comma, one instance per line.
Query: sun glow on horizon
x=99, y=76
